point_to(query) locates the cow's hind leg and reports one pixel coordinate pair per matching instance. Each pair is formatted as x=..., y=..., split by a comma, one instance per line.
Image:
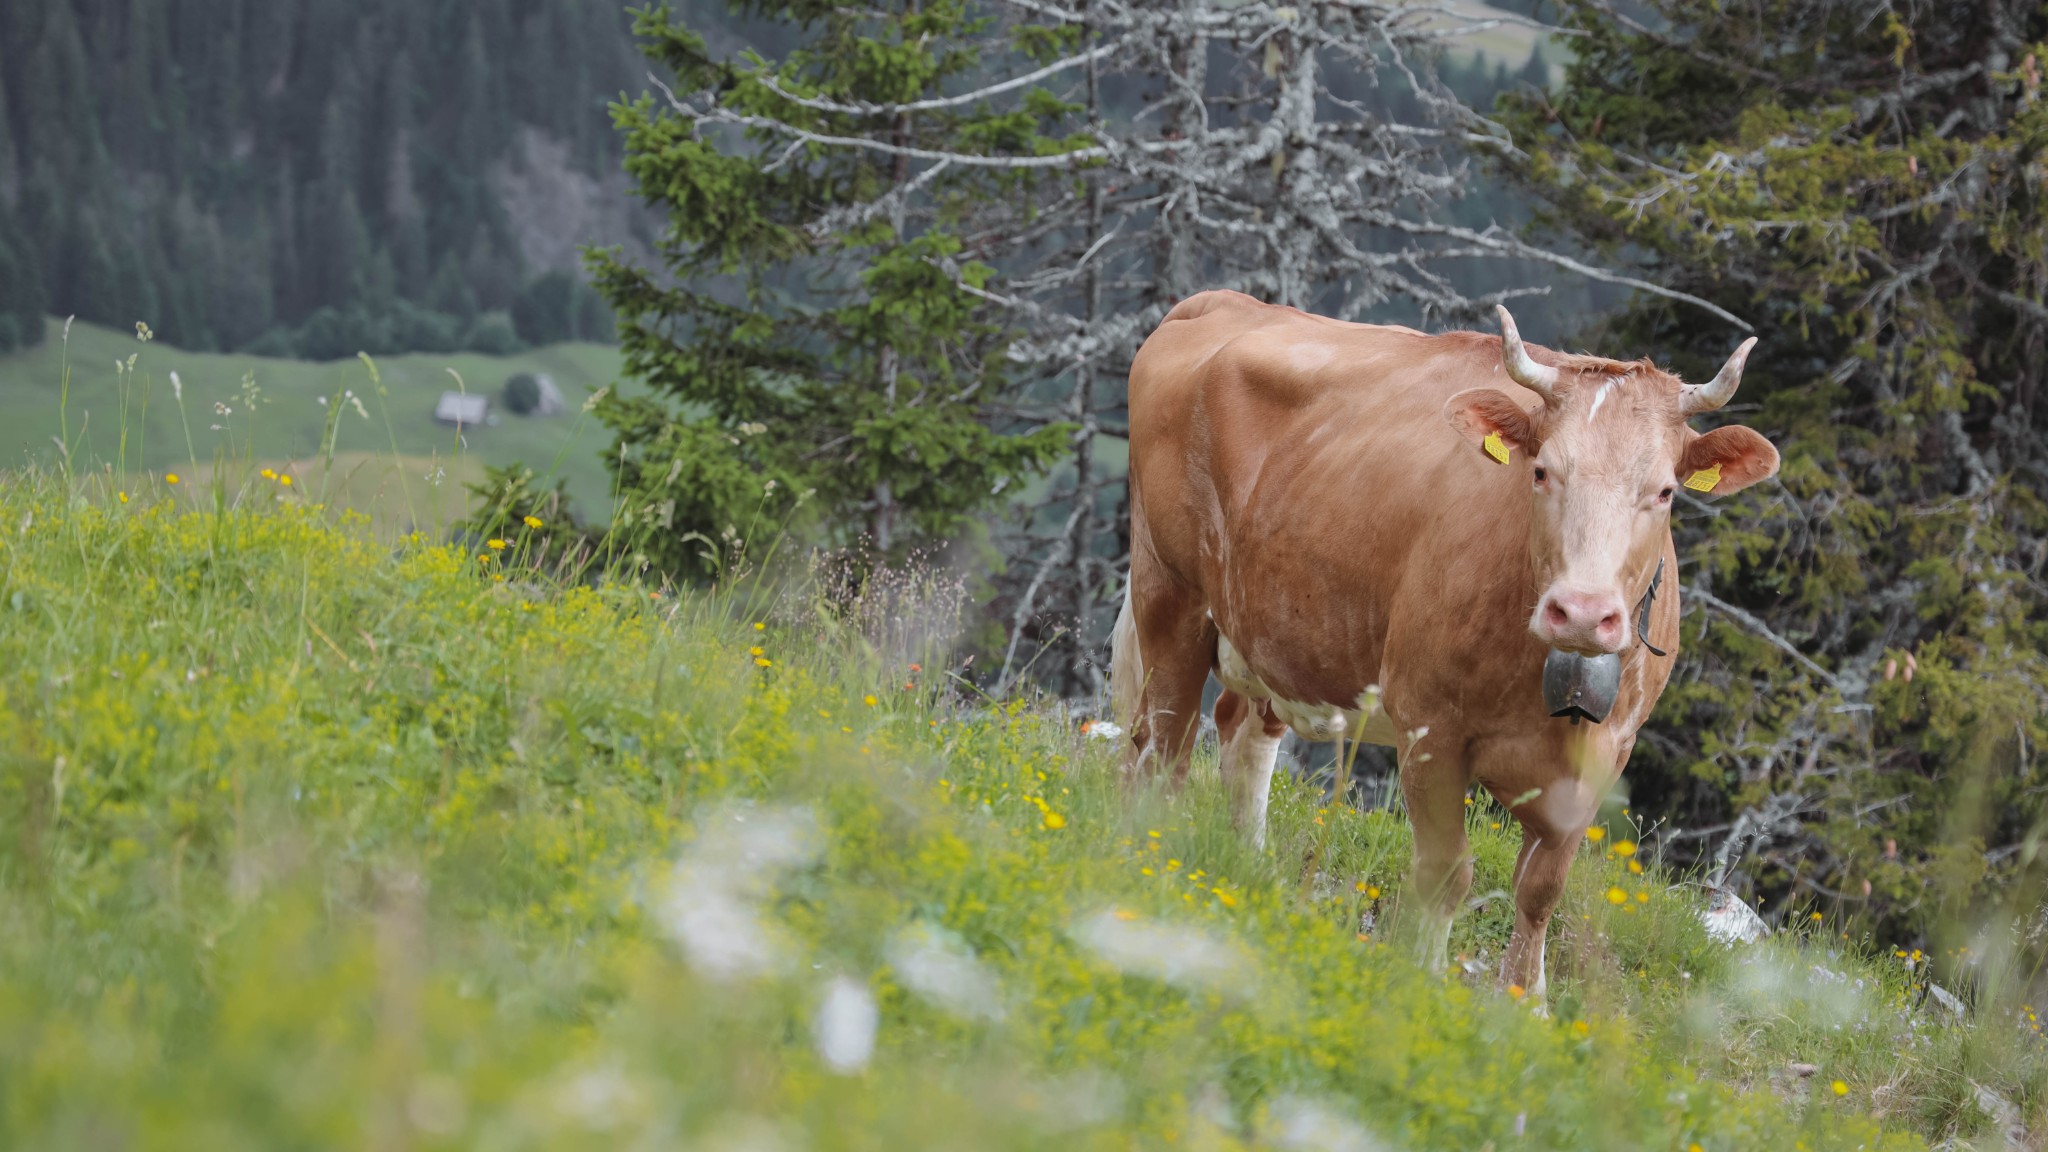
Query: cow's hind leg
x=1433, y=788
x=1251, y=736
x=1178, y=643
x=1540, y=872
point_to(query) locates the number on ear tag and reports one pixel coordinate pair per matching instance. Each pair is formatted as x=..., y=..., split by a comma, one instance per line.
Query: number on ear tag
x=1704, y=479
x=1496, y=448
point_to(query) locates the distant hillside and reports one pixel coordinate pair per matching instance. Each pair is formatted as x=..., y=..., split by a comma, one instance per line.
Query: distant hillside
x=309, y=177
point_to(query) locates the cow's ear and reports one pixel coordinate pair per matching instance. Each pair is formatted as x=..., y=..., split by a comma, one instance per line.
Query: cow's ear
x=1727, y=460
x=1479, y=413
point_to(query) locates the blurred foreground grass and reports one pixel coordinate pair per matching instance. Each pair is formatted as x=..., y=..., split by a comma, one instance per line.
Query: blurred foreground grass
x=307, y=841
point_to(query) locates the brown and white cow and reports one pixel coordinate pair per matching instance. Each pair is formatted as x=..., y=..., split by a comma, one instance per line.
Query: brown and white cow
x=1317, y=518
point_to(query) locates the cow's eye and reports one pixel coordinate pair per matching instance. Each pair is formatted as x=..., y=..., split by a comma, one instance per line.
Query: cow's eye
x=1664, y=497
x=1542, y=473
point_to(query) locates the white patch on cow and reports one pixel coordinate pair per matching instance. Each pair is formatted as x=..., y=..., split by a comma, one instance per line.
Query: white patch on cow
x=1600, y=397
x=1309, y=357
x=1321, y=723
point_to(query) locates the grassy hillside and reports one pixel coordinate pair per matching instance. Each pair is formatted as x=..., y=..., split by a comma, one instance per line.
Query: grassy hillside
x=285, y=425
x=307, y=843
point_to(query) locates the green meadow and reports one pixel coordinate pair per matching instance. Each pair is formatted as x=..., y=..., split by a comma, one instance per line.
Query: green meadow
x=312, y=837
x=133, y=419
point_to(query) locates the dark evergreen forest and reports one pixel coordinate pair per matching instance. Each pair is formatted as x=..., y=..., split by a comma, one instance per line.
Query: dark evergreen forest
x=311, y=177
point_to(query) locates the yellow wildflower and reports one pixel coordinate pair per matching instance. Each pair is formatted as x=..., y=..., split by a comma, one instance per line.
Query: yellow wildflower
x=1055, y=821
x=1616, y=896
x=268, y=473
x=754, y=651
x=533, y=522
x=763, y=662
x=1624, y=847
x=1227, y=900
x=1596, y=834
x=496, y=545
x=170, y=477
x=1516, y=991
x=1841, y=1088
x=124, y=497
x=1581, y=1029
x=285, y=480
x=869, y=700
x=1126, y=914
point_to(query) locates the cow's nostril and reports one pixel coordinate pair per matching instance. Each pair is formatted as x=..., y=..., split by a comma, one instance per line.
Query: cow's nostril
x=1556, y=616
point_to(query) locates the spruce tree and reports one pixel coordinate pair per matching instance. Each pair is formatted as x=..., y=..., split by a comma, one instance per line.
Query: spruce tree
x=816, y=329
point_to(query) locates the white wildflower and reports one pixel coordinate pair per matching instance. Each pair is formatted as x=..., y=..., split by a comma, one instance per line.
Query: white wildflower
x=1305, y=1124
x=940, y=967
x=1187, y=957
x=177, y=387
x=845, y=1026
x=711, y=905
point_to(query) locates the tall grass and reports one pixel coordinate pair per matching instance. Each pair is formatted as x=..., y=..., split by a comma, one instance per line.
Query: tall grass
x=311, y=838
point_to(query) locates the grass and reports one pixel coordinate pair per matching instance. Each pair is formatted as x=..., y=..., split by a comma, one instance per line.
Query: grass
x=309, y=841
x=132, y=421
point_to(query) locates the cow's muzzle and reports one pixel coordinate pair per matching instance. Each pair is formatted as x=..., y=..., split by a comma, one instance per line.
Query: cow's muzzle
x=1580, y=687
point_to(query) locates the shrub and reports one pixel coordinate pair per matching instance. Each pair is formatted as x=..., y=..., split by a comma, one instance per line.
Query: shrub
x=493, y=335
x=522, y=394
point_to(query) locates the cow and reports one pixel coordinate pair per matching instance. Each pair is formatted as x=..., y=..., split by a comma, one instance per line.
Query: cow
x=1372, y=533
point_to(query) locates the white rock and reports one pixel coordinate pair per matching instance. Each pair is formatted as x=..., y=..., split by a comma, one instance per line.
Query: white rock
x=1729, y=920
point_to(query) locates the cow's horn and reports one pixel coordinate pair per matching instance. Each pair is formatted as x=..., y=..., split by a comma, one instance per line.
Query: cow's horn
x=1523, y=368
x=1697, y=398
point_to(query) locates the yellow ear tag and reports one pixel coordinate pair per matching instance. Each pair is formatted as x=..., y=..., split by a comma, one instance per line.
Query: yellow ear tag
x=1705, y=479
x=1496, y=448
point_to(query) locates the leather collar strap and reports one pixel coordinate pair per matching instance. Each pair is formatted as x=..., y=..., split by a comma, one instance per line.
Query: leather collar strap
x=1643, y=609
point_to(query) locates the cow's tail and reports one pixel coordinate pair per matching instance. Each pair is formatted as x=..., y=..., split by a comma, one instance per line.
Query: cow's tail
x=1126, y=666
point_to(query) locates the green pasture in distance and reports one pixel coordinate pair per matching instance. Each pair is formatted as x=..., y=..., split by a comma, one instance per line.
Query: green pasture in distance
x=285, y=425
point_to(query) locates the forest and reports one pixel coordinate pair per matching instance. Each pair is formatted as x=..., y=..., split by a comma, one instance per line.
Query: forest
x=311, y=178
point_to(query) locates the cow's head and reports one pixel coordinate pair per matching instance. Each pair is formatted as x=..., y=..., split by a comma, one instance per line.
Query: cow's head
x=1605, y=451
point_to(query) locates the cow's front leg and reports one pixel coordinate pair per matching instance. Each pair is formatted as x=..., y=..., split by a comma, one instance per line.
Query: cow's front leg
x=1540, y=872
x=1433, y=788
x=1250, y=735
